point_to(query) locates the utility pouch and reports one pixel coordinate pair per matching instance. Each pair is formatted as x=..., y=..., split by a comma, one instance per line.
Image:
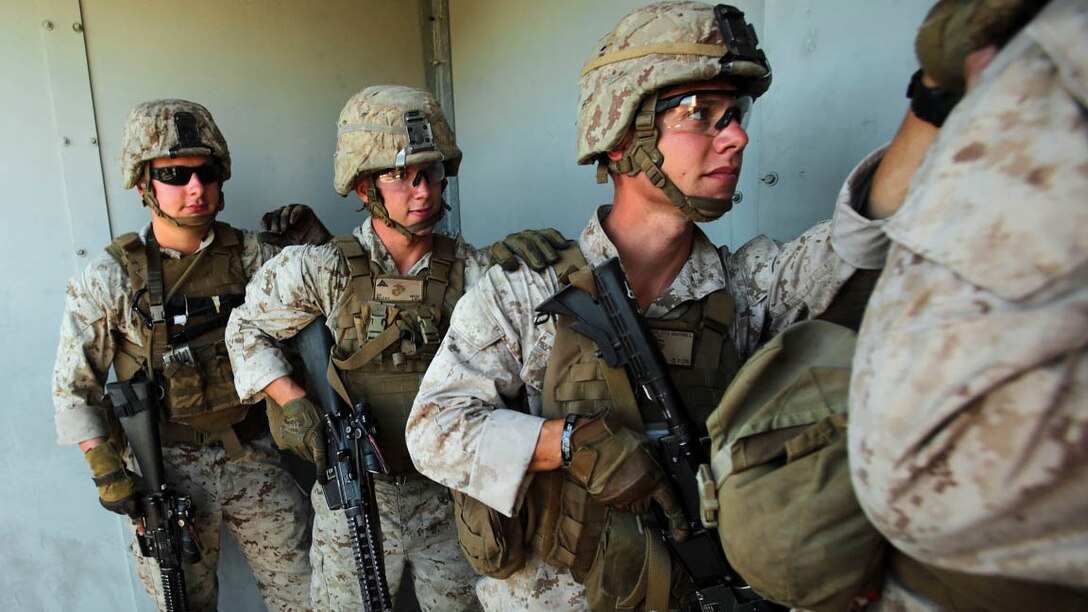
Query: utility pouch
x=197, y=381
x=493, y=544
x=632, y=569
x=184, y=383
x=564, y=523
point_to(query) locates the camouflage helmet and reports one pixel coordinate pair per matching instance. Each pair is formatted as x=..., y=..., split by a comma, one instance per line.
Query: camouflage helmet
x=655, y=47
x=652, y=48
x=170, y=128
x=391, y=126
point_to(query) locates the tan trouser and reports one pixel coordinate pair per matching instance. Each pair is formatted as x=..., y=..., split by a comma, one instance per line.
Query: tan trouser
x=418, y=536
x=537, y=587
x=259, y=502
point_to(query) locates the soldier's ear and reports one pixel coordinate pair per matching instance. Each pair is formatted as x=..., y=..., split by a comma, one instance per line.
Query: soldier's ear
x=361, y=189
x=616, y=153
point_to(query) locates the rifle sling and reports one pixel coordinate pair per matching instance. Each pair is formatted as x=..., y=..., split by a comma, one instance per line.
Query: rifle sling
x=157, y=309
x=655, y=580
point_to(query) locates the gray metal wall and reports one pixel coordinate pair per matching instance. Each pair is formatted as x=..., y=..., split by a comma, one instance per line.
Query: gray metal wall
x=275, y=74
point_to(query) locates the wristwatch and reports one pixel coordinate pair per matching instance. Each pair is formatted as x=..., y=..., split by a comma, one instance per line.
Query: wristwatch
x=930, y=104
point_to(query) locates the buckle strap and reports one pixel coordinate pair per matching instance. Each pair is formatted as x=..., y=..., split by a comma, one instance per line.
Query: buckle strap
x=112, y=477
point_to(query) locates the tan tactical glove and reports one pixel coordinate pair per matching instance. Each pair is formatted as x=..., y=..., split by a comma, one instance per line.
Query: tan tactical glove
x=615, y=467
x=302, y=431
x=955, y=28
x=116, y=485
x=293, y=224
x=539, y=249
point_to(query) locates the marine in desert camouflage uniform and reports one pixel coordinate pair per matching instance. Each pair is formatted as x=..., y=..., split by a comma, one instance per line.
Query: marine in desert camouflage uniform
x=969, y=432
x=662, y=102
x=397, y=166
x=216, y=451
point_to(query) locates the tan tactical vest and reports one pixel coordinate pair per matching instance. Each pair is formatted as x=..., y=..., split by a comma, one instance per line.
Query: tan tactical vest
x=387, y=332
x=188, y=355
x=564, y=524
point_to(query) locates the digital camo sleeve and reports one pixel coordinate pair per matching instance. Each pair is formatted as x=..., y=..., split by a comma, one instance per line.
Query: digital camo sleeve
x=284, y=296
x=461, y=434
x=775, y=284
x=95, y=301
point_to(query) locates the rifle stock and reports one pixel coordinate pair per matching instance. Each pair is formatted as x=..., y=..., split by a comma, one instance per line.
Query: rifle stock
x=168, y=536
x=614, y=321
x=353, y=456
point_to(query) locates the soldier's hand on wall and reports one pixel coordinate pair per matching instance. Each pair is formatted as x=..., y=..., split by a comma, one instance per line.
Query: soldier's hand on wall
x=293, y=224
x=117, y=487
x=953, y=29
x=539, y=249
x=302, y=431
x=616, y=468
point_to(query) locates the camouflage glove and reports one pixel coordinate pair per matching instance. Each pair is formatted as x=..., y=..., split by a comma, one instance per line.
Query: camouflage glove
x=116, y=485
x=539, y=249
x=302, y=431
x=293, y=224
x=615, y=467
x=955, y=28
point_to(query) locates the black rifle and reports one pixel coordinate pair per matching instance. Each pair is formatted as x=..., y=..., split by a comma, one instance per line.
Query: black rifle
x=615, y=323
x=169, y=536
x=353, y=456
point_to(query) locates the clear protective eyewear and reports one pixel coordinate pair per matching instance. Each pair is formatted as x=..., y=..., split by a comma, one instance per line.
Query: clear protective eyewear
x=410, y=177
x=703, y=112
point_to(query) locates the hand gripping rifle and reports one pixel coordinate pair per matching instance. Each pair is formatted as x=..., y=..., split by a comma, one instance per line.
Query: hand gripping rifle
x=353, y=457
x=168, y=535
x=615, y=323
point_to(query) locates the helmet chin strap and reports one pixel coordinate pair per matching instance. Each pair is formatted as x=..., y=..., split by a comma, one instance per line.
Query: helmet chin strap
x=193, y=222
x=642, y=155
x=376, y=205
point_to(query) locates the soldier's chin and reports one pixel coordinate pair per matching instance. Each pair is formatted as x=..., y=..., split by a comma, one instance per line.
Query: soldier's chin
x=711, y=214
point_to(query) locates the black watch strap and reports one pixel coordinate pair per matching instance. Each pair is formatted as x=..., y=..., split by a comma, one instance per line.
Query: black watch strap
x=565, y=450
x=930, y=104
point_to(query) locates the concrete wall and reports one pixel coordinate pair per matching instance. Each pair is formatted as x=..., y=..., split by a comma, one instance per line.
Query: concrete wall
x=840, y=69
x=275, y=75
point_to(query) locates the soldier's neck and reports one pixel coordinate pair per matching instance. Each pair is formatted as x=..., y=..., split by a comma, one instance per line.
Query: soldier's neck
x=185, y=240
x=653, y=241
x=405, y=252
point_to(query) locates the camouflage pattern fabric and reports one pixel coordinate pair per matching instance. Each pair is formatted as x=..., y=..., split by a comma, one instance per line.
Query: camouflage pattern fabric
x=296, y=286
x=968, y=424
x=97, y=308
x=371, y=131
x=461, y=435
x=256, y=499
x=285, y=296
x=151, y=132
x=98, y=300
x=537, y=587
x=417, y=538
x=610, y=94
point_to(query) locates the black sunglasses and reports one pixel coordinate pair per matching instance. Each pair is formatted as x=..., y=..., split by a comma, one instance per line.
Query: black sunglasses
x=180, y=175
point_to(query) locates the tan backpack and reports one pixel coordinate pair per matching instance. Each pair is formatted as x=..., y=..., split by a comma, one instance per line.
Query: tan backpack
x=789, y=521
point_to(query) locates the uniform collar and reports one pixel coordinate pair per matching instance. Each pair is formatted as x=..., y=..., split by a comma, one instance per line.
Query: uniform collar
x=172, y=253
x=701, y=275
x=379, y=254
